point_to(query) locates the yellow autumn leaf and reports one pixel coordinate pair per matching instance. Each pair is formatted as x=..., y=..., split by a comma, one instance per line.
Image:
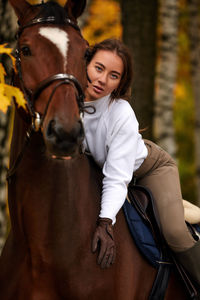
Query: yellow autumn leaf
x=104, y=21
x=180, y=91
x=11, y=91
x=33, y=2
x=2, y=73
x=8, y=51
x=4, y=100
x=62, y=2
x=7, y=92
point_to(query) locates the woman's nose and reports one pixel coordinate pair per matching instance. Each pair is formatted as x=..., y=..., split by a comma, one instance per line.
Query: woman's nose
x=103, y=78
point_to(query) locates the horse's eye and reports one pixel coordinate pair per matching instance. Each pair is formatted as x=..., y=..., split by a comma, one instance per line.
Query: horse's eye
x=26, y=51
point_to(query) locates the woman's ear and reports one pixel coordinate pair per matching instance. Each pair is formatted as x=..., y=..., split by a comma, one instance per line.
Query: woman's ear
x=75, y=8
x=20, y=7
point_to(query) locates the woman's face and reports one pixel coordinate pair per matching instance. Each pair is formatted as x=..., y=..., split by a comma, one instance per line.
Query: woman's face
x=105, y=71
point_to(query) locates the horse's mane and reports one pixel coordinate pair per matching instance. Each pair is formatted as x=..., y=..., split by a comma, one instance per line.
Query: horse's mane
x=54, y=9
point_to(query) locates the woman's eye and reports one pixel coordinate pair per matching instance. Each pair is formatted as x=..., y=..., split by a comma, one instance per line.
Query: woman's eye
x=26, y=51
x=99, y=69
x=114, y=76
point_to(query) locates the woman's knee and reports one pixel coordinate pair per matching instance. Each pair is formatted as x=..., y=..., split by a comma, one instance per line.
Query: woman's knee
x=178, y=237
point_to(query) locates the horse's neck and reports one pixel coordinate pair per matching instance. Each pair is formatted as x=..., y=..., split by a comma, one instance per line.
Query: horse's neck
x=58, y=197
x=18, y=136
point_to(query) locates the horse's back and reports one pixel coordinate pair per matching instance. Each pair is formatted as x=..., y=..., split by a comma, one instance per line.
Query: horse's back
x=138, y=274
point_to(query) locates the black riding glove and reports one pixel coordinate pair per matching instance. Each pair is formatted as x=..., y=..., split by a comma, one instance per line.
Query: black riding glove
x=103, y=237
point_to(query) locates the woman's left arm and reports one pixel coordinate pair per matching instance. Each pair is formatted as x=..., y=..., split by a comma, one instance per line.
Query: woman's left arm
x=119, y=164
x=118, y=171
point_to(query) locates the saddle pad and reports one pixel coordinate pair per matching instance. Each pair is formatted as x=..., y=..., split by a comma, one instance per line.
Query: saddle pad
x=143, y=237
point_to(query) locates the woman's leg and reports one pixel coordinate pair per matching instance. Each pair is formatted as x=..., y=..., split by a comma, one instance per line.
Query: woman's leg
x=165, y=187
x=162, y=178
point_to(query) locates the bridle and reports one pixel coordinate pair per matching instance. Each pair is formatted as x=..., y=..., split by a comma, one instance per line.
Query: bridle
x=30, y=96
x=60, y=78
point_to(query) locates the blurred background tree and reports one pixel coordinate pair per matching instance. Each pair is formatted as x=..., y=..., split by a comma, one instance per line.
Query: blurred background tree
x=8, y=27
x=166, y=76
x=194, y=41
x=139, y=20
x=163, y=36
x=184, y=109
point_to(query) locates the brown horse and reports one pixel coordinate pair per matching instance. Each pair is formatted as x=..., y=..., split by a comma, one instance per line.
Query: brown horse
x=54, y=203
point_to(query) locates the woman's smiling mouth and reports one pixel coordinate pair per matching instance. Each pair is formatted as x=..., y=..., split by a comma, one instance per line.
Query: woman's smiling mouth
x=97, y=89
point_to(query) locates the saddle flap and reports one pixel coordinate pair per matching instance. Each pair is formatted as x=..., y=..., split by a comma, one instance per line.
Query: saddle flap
x=141, y=198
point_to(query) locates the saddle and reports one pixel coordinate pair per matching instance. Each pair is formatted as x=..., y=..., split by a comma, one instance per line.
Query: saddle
x=139, y=208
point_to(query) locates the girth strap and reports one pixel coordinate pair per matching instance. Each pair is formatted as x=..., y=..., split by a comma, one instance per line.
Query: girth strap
x=161, y=282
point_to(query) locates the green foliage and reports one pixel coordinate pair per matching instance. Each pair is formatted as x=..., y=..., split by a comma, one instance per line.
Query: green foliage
x=184, y=110
x=184, y=126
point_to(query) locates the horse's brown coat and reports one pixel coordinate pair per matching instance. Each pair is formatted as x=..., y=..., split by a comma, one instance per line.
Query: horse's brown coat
x=54, y=204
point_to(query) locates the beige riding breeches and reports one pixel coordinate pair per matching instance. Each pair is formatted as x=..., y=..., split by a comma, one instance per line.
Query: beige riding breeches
x=160, y=174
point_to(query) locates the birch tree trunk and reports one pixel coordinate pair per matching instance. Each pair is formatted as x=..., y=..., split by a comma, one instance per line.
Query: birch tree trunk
x=139, y=20
x=7, y=32
x=194, y=36
x=166, y=76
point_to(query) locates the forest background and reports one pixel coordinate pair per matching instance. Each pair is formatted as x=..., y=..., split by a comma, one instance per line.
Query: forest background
x=164, y=39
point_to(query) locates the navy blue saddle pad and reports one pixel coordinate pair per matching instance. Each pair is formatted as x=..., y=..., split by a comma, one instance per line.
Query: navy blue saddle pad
x=142, y=235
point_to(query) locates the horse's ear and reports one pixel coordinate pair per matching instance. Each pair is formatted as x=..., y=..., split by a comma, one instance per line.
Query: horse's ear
x=20, y=7
x=75, y=7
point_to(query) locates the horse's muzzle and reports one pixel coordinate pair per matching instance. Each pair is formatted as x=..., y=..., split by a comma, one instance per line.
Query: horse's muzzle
x=61, y=142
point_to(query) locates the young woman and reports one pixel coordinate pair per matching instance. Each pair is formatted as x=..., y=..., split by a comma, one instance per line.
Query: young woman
x=113, y=139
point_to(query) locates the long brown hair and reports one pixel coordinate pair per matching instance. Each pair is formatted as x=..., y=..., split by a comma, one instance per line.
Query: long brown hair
x=115, y=45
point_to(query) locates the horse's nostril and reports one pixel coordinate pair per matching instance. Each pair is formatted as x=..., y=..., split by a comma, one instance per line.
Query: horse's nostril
x=50, y=128
x=62, y=141
x=78, y=130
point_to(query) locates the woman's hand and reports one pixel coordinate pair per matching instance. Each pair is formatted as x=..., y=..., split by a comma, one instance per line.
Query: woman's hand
x=103, y=237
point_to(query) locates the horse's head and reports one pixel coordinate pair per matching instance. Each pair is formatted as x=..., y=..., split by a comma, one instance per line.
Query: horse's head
x=52, y=71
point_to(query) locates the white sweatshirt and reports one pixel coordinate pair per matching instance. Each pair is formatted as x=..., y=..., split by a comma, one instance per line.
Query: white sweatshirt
x=112, y=137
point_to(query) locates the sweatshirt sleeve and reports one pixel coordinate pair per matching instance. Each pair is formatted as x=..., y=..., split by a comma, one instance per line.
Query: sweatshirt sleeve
x=119, y=164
